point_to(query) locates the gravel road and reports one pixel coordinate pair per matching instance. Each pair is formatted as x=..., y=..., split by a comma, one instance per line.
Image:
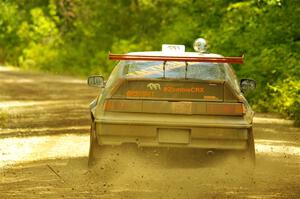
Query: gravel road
x=44, y=143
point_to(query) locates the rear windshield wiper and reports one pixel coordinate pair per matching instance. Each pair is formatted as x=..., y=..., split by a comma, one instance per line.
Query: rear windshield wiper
x=164, y=69
x=186, y=68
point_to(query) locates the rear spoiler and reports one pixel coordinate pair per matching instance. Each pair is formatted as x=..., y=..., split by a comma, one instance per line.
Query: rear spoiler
x=232, y=60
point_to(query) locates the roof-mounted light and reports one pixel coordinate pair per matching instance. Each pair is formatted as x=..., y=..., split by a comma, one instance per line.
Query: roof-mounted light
x=200, y=45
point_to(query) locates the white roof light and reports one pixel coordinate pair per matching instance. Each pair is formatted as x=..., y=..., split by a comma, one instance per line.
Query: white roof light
x=200, y=45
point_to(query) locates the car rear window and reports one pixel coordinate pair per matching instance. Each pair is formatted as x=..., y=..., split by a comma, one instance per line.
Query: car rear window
x=155, y=69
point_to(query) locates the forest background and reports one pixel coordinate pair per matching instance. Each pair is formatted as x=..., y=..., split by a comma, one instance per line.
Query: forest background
x=74, y=37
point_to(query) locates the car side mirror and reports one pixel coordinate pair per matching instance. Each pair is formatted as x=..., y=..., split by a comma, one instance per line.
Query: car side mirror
x=96, y=81
x=247, y=85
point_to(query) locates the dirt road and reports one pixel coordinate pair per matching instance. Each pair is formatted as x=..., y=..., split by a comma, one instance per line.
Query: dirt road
x=44, y=141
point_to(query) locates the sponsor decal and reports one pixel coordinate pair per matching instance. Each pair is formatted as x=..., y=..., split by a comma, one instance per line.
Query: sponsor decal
x=153, y=86
x=210, y=97
x=171, y=89
x=135, y=93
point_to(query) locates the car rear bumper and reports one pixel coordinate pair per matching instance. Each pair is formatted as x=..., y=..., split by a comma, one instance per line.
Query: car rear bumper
x=151, y=130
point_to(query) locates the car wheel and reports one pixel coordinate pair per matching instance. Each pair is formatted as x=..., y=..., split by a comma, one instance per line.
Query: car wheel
x=94, y=146
x=251, y=147
x=248, y=155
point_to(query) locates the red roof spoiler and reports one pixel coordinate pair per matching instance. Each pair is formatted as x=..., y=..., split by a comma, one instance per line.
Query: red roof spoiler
x=233, y=60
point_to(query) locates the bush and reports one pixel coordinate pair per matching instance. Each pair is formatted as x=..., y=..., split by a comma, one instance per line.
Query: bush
x=285, y=98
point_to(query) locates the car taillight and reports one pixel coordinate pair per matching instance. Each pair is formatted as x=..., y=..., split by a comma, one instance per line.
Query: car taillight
x=113, y=105
x=210, y=108
x=226, y=108
x=123, y=105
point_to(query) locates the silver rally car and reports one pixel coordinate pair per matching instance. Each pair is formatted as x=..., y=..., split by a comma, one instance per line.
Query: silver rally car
x=173, y=98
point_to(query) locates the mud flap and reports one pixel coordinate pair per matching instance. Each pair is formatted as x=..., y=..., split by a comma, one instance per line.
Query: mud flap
x=94, y=146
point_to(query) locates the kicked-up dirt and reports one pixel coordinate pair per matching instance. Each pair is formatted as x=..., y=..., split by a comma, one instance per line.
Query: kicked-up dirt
x=44, y=143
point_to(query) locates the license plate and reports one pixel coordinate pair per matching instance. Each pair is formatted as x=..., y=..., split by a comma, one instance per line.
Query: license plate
x=177, y=136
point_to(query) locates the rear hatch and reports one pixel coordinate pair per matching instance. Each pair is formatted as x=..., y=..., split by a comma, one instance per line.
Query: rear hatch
x=173, y=97
x=167, y=89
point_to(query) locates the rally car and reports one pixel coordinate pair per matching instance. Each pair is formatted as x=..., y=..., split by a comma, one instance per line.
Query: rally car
x=174, y=99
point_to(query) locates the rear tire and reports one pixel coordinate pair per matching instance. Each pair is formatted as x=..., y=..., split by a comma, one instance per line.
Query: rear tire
x=94, y=146
x=251, y=148
x=248, y=156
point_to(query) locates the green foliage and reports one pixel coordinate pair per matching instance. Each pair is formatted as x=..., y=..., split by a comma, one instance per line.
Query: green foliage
x=286, y=99
x=9, y=22
x=74, y=37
